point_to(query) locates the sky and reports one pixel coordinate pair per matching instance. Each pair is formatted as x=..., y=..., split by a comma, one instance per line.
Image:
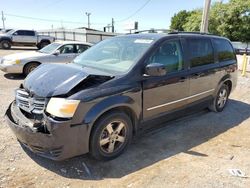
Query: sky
x=59, y=13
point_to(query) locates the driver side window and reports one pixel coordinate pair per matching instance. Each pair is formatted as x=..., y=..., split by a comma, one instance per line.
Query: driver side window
x=67, y=49
x=169, y=54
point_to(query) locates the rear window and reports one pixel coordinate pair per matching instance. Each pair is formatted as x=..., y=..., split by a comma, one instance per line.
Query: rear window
x=200, y=51
x=224, y=50
x=30, y=33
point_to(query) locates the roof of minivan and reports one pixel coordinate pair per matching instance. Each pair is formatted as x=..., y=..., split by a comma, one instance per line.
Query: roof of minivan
x=156, y=36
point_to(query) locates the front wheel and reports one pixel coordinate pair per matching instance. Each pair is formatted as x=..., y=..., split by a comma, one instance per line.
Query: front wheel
x=220, y=100
x=5, y=44
x=29, y=68
x=110, y=136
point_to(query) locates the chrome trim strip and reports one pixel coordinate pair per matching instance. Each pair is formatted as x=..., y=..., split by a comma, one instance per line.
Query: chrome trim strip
x=169, y=103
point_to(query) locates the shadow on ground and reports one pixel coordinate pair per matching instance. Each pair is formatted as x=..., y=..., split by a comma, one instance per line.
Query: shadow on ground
x=156, y=145
x=11, y=76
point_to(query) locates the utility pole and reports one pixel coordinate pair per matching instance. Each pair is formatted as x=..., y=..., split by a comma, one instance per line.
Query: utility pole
x=205, y=16
x=112, y=25
x=88, y=14
x=3, y=19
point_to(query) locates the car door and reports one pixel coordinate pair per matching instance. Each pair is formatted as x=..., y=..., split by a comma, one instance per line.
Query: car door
x=66, y=55
x=18, y=36
x=202, y=68
x=30, y=37
x=163, y=94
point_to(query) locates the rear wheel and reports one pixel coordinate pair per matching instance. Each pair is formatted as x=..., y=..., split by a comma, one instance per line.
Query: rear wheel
x=220, y=100
x=43, y=44
x=5, y=44
x=29, y=68
x=111, y=135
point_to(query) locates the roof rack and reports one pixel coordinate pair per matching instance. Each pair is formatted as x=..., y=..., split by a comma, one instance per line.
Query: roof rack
x=168, y=31
x=189, y=32
x=154, y=31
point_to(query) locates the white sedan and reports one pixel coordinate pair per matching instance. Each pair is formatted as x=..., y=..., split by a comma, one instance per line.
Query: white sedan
x=57, y=52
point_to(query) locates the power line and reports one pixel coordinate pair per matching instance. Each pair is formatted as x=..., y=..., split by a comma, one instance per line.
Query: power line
x=49, y=20
x=138, y=10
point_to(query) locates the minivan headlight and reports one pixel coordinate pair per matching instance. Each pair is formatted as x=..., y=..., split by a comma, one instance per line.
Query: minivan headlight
x=61, y=107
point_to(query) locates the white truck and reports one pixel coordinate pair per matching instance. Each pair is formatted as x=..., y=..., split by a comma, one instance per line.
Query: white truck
x=24, y=38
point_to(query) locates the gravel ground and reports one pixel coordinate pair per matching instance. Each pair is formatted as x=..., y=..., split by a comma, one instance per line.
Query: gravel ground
x=195, y=151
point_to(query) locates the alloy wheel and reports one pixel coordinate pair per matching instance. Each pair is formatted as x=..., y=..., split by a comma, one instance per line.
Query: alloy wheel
x=222, y=98
x=113, y=137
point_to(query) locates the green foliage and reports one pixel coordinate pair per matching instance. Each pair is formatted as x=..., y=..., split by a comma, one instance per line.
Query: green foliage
x=178, y=20
x=194, y=21
x=231, y=20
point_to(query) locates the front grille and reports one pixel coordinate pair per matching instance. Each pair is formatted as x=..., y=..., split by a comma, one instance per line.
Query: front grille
x=28, y=103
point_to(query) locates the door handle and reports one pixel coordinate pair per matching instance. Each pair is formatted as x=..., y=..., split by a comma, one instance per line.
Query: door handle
x=182, y=79
x=197, y=75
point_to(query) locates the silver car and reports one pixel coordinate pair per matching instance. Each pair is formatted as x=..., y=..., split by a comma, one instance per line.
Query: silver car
x=57, y=52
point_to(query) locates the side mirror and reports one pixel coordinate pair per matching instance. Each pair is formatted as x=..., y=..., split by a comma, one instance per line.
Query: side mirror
x=57, y=52
x=14, y=33
x=155, y=69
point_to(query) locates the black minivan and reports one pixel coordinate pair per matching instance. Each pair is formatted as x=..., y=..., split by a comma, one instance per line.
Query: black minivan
x=108, y=93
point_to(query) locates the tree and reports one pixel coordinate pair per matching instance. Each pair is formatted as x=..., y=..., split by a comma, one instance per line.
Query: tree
x=193, y=22
x=231, y=20
x=179, y=19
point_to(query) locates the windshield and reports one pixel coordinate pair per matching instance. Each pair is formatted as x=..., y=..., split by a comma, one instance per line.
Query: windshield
x=115, y=55
x=50, y=48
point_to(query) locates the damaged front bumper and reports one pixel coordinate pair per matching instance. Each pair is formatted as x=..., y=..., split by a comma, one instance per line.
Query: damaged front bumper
x=62, y=140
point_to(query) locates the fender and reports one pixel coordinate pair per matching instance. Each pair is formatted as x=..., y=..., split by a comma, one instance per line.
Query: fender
x=5, y=38
x=44, y=40
x=109, y=103
x=225, y=78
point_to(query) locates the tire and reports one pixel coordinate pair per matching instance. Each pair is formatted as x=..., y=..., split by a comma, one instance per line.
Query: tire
x=43, y=44
x=5, y=44
x=220, y=100
x=110, y=136
x=28, y=68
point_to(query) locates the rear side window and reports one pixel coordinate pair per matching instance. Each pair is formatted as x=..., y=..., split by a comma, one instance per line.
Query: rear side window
x=30, y=33
x=224, y=50
x=200, y=51
x=81, y=48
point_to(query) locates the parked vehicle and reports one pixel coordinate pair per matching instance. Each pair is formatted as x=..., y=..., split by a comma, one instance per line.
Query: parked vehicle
x=4, y=30
x=118, y=86
x=242, y=51
x=57, y=52
x=241, y=48
x=24, y=38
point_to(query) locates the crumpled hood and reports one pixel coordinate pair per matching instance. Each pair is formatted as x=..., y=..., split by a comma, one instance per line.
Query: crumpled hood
x=24, y=55
x=57, y=79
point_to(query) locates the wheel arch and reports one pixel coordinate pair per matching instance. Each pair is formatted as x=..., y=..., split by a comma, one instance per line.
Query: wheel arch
x=29, y=62
x=5, y=38
x=44, y=40
x=226, y=79
x=123, y=104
